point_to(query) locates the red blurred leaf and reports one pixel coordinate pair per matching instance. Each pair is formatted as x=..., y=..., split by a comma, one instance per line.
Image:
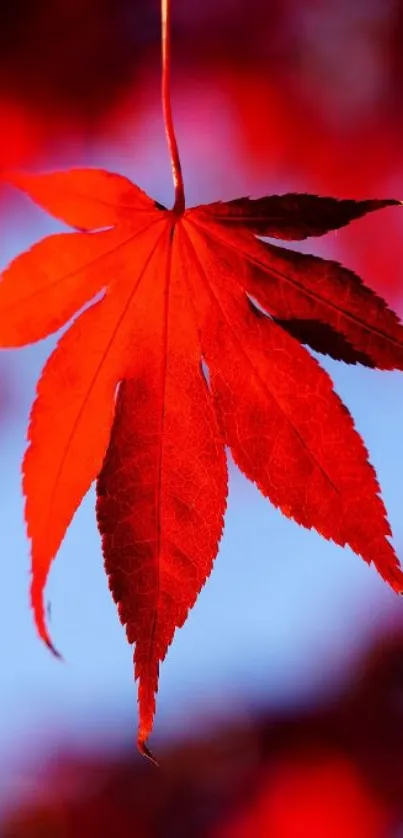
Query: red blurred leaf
x=311, y=798
x=174, y=289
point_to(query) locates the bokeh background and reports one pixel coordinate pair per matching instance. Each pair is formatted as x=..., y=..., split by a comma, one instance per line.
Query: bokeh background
x=280, y=710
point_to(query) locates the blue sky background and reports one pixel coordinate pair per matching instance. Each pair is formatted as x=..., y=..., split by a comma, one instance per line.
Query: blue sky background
x=284, y=616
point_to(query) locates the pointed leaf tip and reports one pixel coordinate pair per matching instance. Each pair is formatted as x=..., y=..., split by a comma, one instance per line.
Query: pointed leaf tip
x=55, y=652
x=145, y=751
x=40, y=620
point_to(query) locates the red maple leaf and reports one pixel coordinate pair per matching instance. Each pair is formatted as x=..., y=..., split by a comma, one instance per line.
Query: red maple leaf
x=126, y=397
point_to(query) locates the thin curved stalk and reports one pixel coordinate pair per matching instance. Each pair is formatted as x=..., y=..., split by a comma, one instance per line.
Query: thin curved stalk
x=177, y=176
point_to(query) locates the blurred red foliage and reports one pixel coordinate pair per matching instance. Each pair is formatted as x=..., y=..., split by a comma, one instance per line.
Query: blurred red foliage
x=334, y=772
x=310, y=85
x=312, y=797
x=314, y=90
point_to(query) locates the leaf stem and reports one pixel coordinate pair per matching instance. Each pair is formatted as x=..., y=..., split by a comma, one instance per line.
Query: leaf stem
x=177, y=176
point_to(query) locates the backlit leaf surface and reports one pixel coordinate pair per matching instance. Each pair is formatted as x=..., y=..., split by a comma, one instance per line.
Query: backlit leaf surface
x=190, y=341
